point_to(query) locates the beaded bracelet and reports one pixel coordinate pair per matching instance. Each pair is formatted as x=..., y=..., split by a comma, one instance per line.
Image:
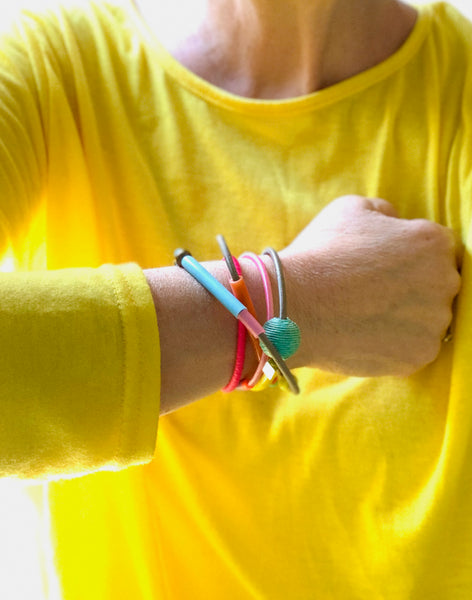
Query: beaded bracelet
x=282, y=331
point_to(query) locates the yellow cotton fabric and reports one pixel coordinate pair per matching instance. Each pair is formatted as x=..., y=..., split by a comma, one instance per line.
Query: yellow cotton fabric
x=76, y=392
x=114, y=154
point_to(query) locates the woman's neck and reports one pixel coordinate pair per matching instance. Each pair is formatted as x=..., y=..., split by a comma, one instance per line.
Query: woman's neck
x=279, y=48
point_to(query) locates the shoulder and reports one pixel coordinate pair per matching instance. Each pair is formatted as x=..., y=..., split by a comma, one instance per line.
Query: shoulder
x=64, y=41
x=64, y=19
x=451, y=31
x=446, y=58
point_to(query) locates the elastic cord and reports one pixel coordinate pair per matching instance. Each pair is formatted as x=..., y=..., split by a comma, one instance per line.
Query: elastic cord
x=265, y=281
x=240, y=291
x=239, y=287
x=229, y=259
x=280, y=281
x=249, y=384
x=240, y=350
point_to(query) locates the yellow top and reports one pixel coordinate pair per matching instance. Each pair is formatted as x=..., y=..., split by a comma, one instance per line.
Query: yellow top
x=112, y=153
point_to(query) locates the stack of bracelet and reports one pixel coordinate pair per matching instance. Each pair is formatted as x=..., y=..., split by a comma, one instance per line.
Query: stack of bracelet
x=239, y=289
x=277, y=340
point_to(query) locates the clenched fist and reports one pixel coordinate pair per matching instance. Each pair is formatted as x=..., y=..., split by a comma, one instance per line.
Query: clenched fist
x=372, y=293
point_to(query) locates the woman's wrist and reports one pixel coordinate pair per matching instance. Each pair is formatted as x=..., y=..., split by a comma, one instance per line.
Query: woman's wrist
x=198, y=336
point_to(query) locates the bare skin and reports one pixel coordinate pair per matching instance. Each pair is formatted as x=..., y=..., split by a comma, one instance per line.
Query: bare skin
x=280, y=48
x=382, y=309
x=372, y=297
x=362, y=312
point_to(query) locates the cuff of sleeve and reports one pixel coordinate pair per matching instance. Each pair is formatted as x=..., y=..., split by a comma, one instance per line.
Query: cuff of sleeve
x=141, y=360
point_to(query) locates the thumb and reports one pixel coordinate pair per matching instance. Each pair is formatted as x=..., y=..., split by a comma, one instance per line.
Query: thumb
x=381, y=205
x=356, y=202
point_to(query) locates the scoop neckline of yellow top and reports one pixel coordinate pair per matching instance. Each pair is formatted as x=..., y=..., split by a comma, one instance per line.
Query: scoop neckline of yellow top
x=276, y=108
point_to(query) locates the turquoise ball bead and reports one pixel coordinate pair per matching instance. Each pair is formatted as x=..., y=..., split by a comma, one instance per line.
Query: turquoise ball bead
x=284, y=334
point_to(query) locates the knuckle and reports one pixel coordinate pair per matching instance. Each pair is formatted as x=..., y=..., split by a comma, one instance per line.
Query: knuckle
x=422, y=226
x=456, y=283
x=352, y=201
x=439, y=236
x=414, y=368
x=430, y=232
x=438, y=322
x=383, y=206
x=424, y=352
x=444, y=321
x=448, y=284
x=429, y=353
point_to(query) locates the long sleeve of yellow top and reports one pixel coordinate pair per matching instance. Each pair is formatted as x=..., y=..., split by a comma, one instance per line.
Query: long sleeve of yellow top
x=79, y=373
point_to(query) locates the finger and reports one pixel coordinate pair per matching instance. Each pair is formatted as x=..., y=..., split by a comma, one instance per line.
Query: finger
x=458, y=247
x=382, y=206
x=356, y=202
x=455, y=243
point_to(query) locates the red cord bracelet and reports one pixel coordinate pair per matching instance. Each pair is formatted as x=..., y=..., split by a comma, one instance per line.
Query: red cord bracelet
x=240, y=350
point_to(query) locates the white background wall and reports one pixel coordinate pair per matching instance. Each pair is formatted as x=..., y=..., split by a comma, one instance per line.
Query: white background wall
x=465, y=6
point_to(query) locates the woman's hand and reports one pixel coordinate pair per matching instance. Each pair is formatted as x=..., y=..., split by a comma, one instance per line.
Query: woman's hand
x=372, y=293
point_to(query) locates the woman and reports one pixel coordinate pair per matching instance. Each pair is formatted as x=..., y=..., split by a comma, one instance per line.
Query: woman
x=119, y=148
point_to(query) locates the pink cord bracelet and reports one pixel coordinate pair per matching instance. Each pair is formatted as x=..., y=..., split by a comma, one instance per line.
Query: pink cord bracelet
x=249, y=384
